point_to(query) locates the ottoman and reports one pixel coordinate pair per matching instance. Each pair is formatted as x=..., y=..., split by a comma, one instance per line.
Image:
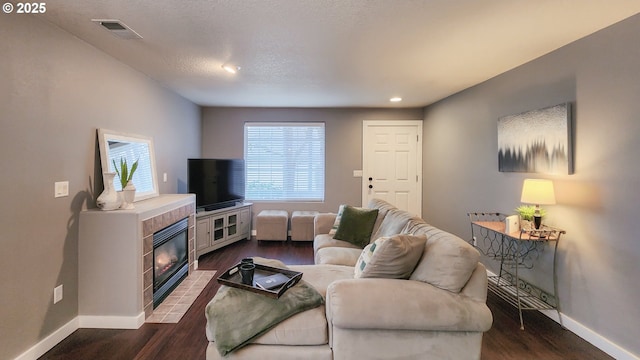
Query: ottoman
x=272, y=225
x=302, y=225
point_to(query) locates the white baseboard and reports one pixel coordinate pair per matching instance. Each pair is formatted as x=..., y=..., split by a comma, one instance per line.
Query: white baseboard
x=111, y=322
x=587, y=334
x=591, y=336
x=50, y=341
x=100, y=322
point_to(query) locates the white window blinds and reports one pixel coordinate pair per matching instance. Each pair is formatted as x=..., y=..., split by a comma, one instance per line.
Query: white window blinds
x=284, y=161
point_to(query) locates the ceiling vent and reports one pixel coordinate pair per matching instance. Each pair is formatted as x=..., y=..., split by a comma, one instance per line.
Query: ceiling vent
x=117, y=28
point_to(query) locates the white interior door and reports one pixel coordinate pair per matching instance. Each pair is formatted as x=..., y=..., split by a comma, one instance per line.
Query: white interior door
x=392, y=163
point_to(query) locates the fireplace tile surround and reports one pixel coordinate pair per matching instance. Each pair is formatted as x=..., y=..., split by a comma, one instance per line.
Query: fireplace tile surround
x=151, y=226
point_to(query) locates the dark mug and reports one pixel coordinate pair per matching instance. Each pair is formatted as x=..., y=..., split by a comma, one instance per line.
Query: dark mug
x=246, y=261
x=246, y=273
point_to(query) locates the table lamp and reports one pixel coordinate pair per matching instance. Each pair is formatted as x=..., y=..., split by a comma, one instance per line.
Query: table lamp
x=538, y=192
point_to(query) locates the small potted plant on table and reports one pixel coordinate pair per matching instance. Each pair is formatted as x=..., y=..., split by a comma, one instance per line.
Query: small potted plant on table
x=526, y=213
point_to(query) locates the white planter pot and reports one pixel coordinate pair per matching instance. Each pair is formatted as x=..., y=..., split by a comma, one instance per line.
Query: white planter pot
x=128, y=196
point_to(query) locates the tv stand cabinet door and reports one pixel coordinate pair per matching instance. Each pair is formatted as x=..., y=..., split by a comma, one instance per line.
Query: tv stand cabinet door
x=203, y=235
x=244, y=230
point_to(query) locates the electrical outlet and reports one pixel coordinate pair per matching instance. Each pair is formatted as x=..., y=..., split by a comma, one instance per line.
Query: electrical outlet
x=164, y=177
x=57, y=294
x=61, y=189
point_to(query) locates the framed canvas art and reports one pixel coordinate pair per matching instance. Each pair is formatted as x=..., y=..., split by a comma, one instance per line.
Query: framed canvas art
x=537, y=141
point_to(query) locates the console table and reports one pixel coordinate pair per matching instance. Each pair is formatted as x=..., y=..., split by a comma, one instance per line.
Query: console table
x=516, y=250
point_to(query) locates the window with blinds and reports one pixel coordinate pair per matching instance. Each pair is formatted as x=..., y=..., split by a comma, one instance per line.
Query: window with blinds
x=284, y=161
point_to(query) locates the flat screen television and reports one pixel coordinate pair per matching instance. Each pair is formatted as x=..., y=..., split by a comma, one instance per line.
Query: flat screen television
x=217, y=183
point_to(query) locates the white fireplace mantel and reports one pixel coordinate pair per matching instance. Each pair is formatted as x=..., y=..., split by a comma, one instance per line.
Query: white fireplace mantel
x=115, y=256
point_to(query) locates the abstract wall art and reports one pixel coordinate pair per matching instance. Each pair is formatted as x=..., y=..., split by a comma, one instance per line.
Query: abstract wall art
x=537, y=141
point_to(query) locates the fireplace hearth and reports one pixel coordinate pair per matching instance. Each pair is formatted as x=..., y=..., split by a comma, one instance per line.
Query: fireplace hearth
x=171, y=261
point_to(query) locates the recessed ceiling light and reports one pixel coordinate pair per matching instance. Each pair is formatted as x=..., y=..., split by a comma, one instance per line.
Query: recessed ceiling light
x=395, y=99
x=232, y=69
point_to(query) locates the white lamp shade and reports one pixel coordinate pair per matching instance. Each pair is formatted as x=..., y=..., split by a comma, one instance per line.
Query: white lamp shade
x=538, y=191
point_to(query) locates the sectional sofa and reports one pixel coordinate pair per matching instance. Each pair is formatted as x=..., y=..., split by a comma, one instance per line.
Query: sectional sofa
x=437, y=310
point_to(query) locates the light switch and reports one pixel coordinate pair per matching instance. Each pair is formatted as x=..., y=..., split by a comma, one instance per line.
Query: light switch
x=57, y=294
x=357, y=173
x=61, y=189
x=164, y=177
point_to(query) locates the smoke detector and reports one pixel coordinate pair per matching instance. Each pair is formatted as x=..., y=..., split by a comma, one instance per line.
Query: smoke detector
x=117, y=28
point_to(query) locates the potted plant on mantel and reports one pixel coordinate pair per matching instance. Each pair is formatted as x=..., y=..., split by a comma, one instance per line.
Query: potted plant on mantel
x=128, y=189
x=526, y=215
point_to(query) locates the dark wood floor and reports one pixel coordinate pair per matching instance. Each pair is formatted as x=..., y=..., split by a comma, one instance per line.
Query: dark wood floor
x=542, y=339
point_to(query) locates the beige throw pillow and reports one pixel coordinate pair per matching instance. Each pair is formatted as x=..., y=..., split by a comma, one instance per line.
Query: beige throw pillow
x=392, y=257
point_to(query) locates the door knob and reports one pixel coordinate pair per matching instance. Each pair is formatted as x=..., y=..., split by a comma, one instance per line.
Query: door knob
x=370, y=179
x=370, y=186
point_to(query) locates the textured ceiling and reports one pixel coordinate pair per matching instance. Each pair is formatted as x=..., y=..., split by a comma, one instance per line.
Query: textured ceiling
x=332, y=53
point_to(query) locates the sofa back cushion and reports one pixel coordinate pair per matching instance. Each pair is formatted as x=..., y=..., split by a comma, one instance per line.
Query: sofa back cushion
x=383, y=207
x=390, y=257
x=414, y=226
x=447, y=261
x=394, y=221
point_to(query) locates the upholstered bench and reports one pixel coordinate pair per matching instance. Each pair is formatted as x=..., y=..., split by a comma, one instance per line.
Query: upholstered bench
x=272, y=225
x=302, y=225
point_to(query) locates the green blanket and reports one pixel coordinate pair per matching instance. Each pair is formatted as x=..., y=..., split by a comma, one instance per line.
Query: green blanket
x=235, y=317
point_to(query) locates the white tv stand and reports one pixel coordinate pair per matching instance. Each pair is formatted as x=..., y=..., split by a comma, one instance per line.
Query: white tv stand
x=221, y=227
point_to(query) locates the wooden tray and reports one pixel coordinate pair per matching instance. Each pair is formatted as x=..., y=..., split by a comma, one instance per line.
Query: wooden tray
x=232, y=278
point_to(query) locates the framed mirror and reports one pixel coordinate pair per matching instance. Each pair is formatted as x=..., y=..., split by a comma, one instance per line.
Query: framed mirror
x=115, y=145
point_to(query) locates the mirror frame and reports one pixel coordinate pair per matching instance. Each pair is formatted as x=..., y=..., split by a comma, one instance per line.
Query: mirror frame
x=104, y=136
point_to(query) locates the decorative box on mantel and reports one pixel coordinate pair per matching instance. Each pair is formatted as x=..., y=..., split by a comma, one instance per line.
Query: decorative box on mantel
x=116, y=259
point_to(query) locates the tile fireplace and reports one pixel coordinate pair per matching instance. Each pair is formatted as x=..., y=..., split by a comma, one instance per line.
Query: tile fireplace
x=117, y=261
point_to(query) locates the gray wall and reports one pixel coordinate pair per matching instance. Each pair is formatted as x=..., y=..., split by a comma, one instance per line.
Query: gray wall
x=598, y=206
x=223, y=137
x=55, y=91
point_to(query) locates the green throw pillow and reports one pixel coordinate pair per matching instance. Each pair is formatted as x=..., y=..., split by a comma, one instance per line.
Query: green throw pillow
x=356, y=225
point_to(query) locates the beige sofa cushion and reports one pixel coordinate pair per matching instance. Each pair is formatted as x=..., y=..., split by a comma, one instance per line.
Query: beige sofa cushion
x=392, y=257
x=326, y=241
x=383, y=207
x=337, y=256
x=306, y=328
x=394, y=221
x=447, y=261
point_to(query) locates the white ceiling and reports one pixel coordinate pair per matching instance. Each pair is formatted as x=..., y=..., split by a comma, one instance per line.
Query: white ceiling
x=332, y=53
